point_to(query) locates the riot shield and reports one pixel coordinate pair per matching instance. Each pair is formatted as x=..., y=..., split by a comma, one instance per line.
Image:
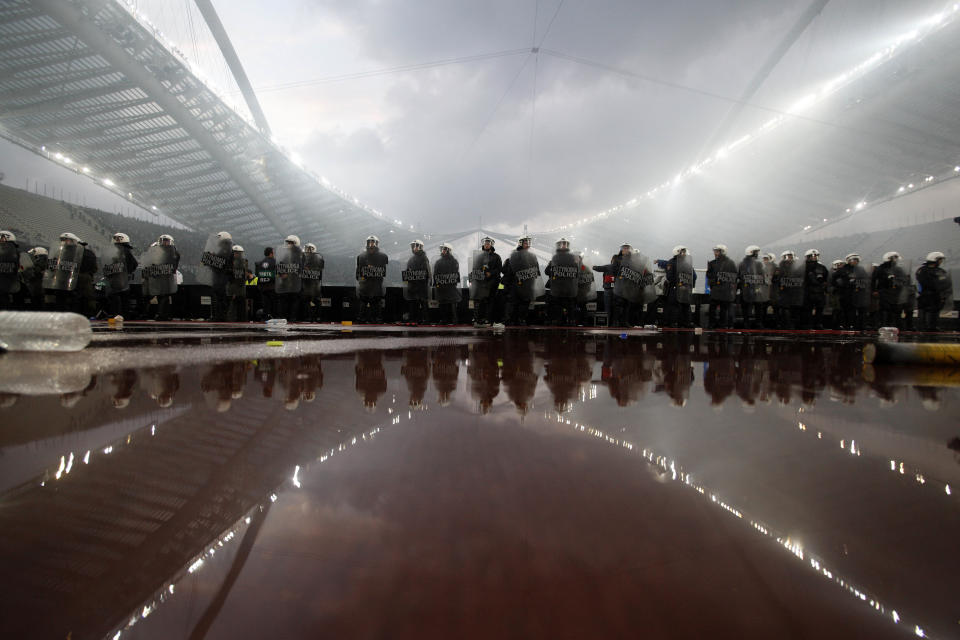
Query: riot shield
x=724, y=285
x=9, y=268
x=752, y=280
x=115, y=269
x=903, y=274
x=371, y=270
x=946, y=292
x=634, y=281
x=159, y=270
x=771, y=294
x=62, y=270
x=214, y=261
x=416, y=278
x=446, y=279
x=686, y=278
x=481, y=279
x=860, y=286
x=526, y=274
x=586, y=288
x=792, y=276
x=289, y=268
x=564, y=273
x=312, y=274
x=236, y=285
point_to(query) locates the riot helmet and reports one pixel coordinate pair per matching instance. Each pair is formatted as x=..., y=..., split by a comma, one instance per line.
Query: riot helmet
x=852, y=256
x=837, y=263
x=37, y=251
x=752, y=250
x=165, y=240
x=487, y=240
x=891, y=256
x=770, y=256
x=373, y=241
x=563, y=243
x=524, y=241
x=69, y=238
x=625, y=249
x=292, y=240
x=7, y=236
x=812, y=255
x=936, y=256
x=787, y=255
x=237, y=248
x=309, y=248
x=721, y=248
x=223, y=235
x=416, y=245
x=446, y=249
x=121, y=238
x=679, y=249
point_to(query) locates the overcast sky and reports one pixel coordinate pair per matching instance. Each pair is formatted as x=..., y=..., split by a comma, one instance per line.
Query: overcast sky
x=522, y=137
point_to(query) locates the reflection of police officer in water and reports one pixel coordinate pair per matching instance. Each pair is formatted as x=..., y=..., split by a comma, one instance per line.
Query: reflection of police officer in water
x=220, y=383
x=266, y=373
x=161, y=384
x=627, y=370
x=519, y=374
x=566, y=369
x=675, y=375
x=416, y=371
x=123, y=383
x=719, y=380
x=446, y=368
x=484, y=373
x=371, y=378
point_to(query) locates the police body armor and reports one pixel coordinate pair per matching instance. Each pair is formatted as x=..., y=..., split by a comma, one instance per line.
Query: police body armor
x=752, y=279
x=115, y=269
x=791, y=283
x=416, y=277
x=371, y=270
x=160, y=268
x=9, y=268
x=62, y=271
x=564, y=273
x=312, y=275
x=289, y=267
x=215, y=262
x=526, y=272
x=484, y=272
x=724, y=285
x=686, y=278
x=446, y=280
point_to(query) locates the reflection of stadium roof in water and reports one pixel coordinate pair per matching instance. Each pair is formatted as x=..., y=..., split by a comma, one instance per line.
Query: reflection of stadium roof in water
x=132, y=115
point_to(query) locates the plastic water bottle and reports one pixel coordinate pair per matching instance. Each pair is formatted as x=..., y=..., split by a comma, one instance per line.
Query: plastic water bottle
x=277, y=324
x=43, y=331
x=888, y=334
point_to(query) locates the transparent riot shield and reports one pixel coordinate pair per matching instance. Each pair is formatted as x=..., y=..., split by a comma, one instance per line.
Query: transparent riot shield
x=752, y=279
x=9, y=268
x=214, y=261
x=686, y=279
x=903, y=273
x=633, y=278
x=446, y=279
x=312, y=275
x=564, y=274
x=648, y=283
x=792, y=276
x=62, y=269
x=482, y=279
x=115, y=269
x=289, y=267
x=416, y=278
x=586, y=281
x=159, y=269
x=861, y=286
x=526, y=282
x=371, y=270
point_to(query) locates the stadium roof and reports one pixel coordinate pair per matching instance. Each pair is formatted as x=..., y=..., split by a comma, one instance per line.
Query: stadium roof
x=89, y=85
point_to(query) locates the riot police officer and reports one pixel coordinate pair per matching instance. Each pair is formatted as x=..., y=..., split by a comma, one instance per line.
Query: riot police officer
x=416, y=283
x=680, y=279
x=789, y=282
x=312, y=277
x=289, y=279
x=32, y=277
x=889, y=282
x=484, y=282
x=753, y=294
x=266, y=280
x=563, y=271
x=520, y=274
x=446, y=284
x=161, y=263
x=86, y=279
x=852, y=283
x=215, y=271
x=722, y=278
x=371, y=271
x=9, y=269
x=936, y=289
x=117, y=269
x=815, y=280
x=237, y=287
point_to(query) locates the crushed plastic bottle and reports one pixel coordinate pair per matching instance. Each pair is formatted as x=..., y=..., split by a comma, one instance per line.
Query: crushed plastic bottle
x=277, y=324
x=888, y=334
x=43, y=331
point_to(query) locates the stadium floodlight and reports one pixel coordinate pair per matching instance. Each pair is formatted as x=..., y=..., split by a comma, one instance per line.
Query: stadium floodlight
x=108, y=182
